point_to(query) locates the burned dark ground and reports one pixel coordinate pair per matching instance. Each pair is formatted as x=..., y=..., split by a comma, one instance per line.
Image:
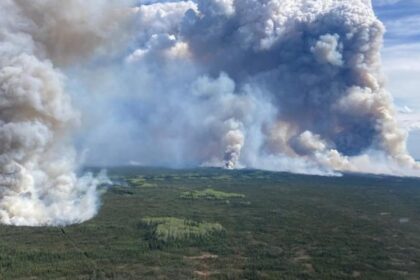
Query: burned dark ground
x=220, y=224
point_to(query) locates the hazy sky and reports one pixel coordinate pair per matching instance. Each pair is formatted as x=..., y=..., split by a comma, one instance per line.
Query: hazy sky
x=401, y=57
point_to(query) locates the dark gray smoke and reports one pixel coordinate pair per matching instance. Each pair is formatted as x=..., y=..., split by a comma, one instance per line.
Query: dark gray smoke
x=282, y=85
x=317, y=61
x=290, y=85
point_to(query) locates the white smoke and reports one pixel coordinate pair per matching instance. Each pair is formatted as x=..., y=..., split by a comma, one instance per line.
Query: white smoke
x=293, y=85
x=280, y=85
x=38, y=183
x=312, y=68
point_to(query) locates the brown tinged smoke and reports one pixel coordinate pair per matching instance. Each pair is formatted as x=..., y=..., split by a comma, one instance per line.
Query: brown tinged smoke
x=293, y=85
x=38, y=184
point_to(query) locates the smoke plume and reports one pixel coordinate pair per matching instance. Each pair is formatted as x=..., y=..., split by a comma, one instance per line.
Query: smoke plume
x=38, y=183
x=292, y=85
x=280, y=85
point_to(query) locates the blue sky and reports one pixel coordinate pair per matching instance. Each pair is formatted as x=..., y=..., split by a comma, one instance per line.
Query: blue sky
x=401, y=58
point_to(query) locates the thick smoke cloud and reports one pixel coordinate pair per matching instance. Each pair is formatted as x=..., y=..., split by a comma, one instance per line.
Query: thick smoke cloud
x=38, y=183
x=273, y=84
x=280, y=85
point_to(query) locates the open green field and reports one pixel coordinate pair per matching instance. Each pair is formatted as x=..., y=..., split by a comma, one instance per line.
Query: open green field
x=219, y=224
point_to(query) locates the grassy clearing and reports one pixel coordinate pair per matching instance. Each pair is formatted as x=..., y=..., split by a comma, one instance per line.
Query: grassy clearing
x=169, y=229
x=210, y=194
x=141, y=182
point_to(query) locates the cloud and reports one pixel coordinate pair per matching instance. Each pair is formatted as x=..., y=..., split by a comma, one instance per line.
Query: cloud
x=402, y=69
x=385, y=2
x=409, y=120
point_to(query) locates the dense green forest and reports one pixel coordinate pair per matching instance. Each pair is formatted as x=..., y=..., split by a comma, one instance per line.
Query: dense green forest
x=220, y=224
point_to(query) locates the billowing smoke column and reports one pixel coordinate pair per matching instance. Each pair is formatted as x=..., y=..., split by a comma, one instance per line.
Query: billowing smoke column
x=292, y=84
x=38, y=184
